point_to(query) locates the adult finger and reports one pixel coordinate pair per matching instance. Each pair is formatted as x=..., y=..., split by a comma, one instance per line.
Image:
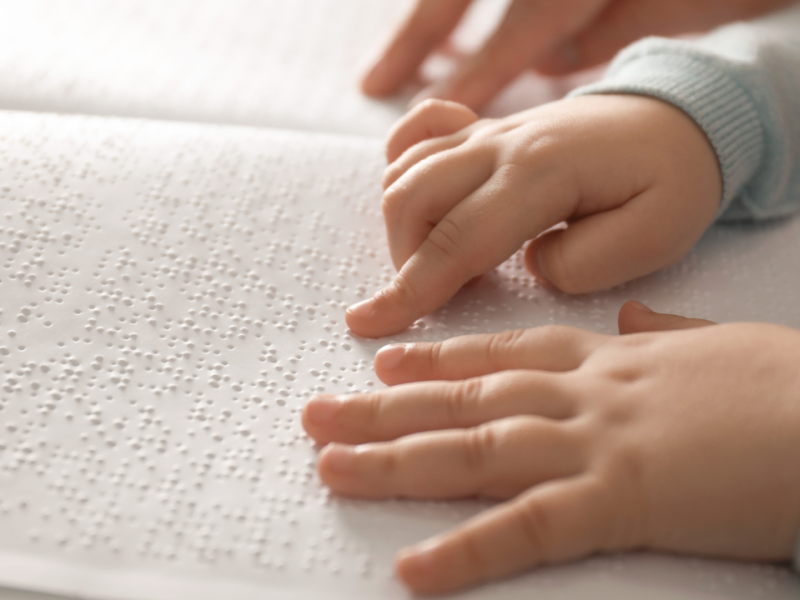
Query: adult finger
x=435, y=405
x=469, y=241
x=417, y=202
x=618, y=25
x=554, y=522
x=622, y=22
x=430, y=119
x=635, y=317
x=496, y=460
x=424, y=27
x=528, y=30
x=551, y=348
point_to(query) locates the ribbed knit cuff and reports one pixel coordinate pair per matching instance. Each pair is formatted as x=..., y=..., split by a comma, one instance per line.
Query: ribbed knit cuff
x=691, y=81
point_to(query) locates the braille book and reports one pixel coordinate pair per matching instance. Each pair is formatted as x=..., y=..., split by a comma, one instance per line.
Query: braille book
x=171, y=293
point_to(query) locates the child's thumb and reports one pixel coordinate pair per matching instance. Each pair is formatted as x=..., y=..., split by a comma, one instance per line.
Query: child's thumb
x=635, y=317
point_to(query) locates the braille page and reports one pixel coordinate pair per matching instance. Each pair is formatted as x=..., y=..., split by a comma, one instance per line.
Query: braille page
x=289, y=64
x=170, y=296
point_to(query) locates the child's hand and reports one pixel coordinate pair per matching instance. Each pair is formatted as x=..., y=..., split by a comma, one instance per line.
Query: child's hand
x=682, y=441
x=556, y=37
x=636, y=179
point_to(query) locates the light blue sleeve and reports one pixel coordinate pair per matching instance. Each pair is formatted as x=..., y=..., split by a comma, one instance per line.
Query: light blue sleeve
x=741, y=84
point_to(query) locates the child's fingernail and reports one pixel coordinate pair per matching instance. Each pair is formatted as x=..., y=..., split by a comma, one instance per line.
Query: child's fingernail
x=389, y=357
x=339, y=457
x=363, y=309
x=641, y=307
x=322, y=409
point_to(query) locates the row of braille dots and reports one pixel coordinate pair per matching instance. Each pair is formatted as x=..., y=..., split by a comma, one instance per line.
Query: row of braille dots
x=112, y=377
x=188, y=322
x=57, y=378
x=73, y=212
x=328, y=548
x=119, y=372
x=266, y=256
x=25, y=259
x=518, y=281
x=173, y=483
x=263, y=536
x=91, y=500
x=222, y=532
x=221, y=266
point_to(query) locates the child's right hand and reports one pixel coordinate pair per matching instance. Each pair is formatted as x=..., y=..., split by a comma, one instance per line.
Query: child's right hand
x=679, y=441
x=635, y=178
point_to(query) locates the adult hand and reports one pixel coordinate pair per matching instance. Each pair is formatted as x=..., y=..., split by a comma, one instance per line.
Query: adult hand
x=555, y=36
x=682, y=441
x=463, y=195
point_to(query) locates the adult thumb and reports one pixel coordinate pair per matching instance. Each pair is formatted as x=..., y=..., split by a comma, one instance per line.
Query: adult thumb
x=635, y=317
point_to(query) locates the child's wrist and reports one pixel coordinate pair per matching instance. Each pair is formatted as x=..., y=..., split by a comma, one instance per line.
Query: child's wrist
x=672, y=71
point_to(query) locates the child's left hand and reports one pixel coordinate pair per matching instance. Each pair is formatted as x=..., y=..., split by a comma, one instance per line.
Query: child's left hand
x=682, y=441
x=635, y=178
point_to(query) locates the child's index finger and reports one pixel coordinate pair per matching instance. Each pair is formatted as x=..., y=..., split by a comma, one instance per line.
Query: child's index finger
x=428, y=279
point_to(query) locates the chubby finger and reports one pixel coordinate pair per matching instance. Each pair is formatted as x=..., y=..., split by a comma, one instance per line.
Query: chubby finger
x=555, y=522
x=528, y=30
x=425, y=26
x=470, y=240
x=496, y=460
x=436, y=405
x=419, y=153
x=550, y=348
x=430, y=119
x=599, y=41
x=414, y=205
x=594, y=253
x=635, y=317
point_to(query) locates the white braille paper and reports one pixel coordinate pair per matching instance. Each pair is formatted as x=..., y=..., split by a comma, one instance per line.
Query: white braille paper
x=170, y=295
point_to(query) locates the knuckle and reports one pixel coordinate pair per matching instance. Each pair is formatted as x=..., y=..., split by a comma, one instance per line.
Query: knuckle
x=561, y=334
x=434, y=355
x=535, y=521
x=475, y=560
x=502, y=344
x=394, y=198
x=374, y=405
x=431, y=106
x=629, y=523
x=401, y=291
x=486, y=129
x=391, y=174
x=480, y=444
x=386, y=463
x=462, y=399
x=448, y=238
x=623, y=373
